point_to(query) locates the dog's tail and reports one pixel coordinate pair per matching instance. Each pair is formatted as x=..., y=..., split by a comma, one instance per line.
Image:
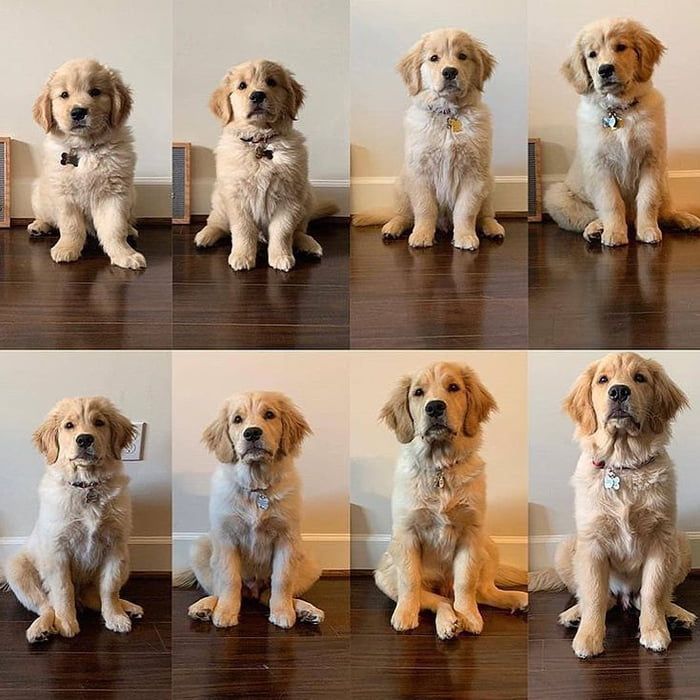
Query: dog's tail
x=569, y=211
x=184, y=578
x=545, y=580
x=323, y=209
x=510, y=576
x=373, y=217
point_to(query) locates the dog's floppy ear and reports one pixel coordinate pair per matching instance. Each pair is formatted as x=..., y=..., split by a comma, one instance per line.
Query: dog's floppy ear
x=486, y=62
x=294, y=427
x=579, y=402
x=121, y=429
x=41, y=111
x=575, y=69
x=409, y=68
x=121, y=99
x=296, y=95
x=220, y=102
x=217, y=438
x=480, y=403
x=649, y=51
x=396, y=413
x=668, y=398
x=45, y=437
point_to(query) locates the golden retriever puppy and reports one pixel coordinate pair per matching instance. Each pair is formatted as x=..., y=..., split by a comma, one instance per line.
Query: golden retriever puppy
x=78, y=551
x=254, y=546
x=87, y=179
x=627, y=546
x=262, y=185
x=619, y=172
x=446, y=180
x=440, y=559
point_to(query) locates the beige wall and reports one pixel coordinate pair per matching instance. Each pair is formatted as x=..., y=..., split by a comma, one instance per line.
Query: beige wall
x=310, y=37
x=381, y=32
x=132, y=36
x=374, y=449
x=553, y=454
x=318, y=383
x=139, y=384
x=552, y=26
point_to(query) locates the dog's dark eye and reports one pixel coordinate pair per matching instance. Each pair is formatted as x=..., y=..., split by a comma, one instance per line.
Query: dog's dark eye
x=271, y=82
x=602, y=379
x=418, y=392
x=269, y=415
x=242, y=85
x=462, y=56
x=592, y=54
x=64, y=95
x=237, y=419
x=434, y=57
x=68, y=425
x=453, y=387
x=639, y=378
x=99, y=422
x=620, y=47
x=95, y=92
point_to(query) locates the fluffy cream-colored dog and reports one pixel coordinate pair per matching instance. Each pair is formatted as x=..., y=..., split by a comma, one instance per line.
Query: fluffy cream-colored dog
x=446, y=180
x=78, y=551
x=254, y=546
x=262, y=187
x=440, y=559
x=619, y=172
x=87, y=179
x=627, y=546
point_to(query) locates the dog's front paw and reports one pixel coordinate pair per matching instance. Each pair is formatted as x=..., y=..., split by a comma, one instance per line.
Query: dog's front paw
x=492, y=229
x=470, y=619
x=65, y=252
x=283, y=614
x=588, y=643
x=593, y=231
x=225, y=616
x=66, y=625
x=649, y=234
x=203, y=609
x=570, y=617
x=39, y=228
x=393, y=228
x=306, y=612
x=129, y=261
x=447, y=623
x=41, y=629
x=466, y=240
x=117, y=622
x=207, y=237
x=421, y=237
x=405, y=617
x=281, y=261
x=241, y=261
x=655, y=638
x=614, y=237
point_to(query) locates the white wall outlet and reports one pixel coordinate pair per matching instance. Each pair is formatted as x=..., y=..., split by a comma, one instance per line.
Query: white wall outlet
x=134, y=451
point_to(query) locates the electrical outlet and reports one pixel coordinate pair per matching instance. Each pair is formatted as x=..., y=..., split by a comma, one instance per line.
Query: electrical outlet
x=134, y=451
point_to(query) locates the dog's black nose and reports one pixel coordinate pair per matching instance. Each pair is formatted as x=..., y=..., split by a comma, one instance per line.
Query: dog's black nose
x=619, y=392
x=252, y=434
x=78, y=113
x=435, y=408
x=449, y=73
x=84, y=440
x=606, y=70
x=258, y=96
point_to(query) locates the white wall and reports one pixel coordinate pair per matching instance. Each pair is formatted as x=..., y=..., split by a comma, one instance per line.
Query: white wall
x=317, y=382
x=139, y=384
x=381, y=32
x=309, y=37
x=553, y=454
x=374, y=448
x=130, y=35
x=552, y=27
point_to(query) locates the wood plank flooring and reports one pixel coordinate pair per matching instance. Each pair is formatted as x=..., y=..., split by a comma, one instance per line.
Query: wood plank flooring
x=439, y=297
x=637, y=296
x=217, y=308
x=625, y=670
x=87, y=304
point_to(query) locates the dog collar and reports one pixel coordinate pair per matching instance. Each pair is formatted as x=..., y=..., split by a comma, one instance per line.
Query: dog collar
x=613, y=472
x=612, y=120
x=439, y=481
x=260, y=145
x=90, y=489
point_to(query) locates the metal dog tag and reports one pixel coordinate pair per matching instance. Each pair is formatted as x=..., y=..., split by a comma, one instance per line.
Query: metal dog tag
x=263, y=501
x=612, y=481
x=612, y=121
x=455, y=125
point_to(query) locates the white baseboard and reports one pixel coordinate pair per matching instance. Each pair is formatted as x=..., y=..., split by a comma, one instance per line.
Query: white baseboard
x=368, y=549
x=510, y=193
x=331, y=549
x=148, y=553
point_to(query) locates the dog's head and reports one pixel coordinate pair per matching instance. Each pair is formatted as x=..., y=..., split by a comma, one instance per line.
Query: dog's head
x=256, y=427
x=440, y=404
x=83, y=99
x=448, y=63
x=260, y=94
x=624, y=393
x=84, y=433
x=611, y=56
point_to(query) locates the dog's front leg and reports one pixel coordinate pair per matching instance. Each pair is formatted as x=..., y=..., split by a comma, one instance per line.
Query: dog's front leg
x=467, y=569
x=656, y=595
x=611, y=226
x=648, y=199
x=407, y=559
x=466, y=209
x=62, y=597
x=592, y=575
x=71, y=225
x=280, y=237
x=111, y=218
x=282, y=611
x=112, y=576
x=244, y=235
x=425, y=212
x=226, y=568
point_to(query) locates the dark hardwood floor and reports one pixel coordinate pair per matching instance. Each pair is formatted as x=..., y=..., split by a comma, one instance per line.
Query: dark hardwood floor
x=217, y=308
x=87, y=304
x=258, y=660
x=438, y=297
x=95, y=663
x=625, y=670
x=416, y=664
x=638, y=296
